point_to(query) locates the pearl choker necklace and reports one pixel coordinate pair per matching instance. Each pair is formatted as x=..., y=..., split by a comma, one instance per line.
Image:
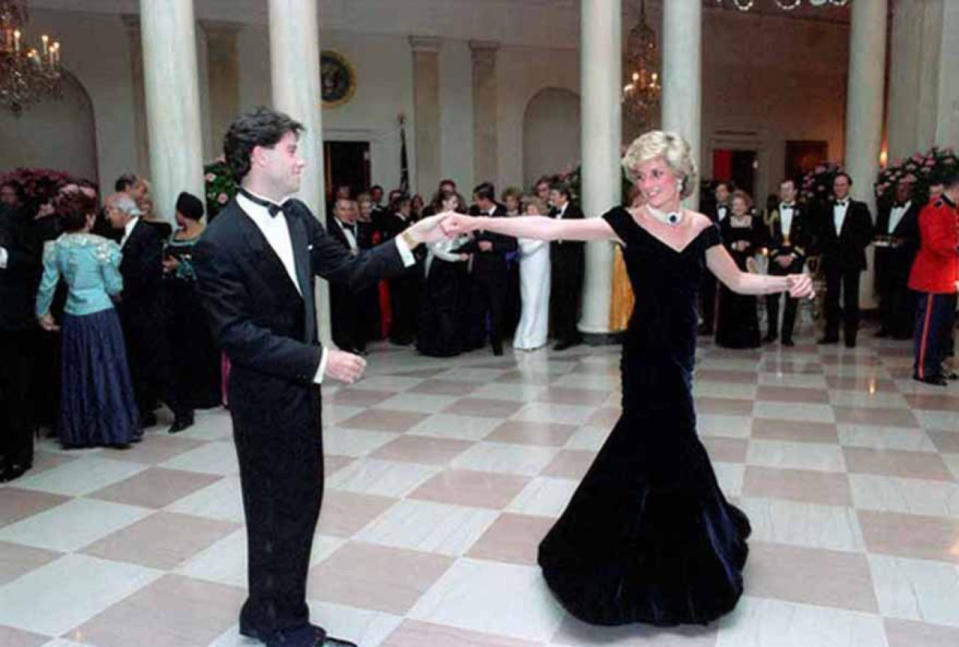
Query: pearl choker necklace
x=673, y=218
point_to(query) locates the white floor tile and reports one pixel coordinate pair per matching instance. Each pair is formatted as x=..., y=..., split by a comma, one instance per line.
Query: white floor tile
x=570, y=414
x=72, y=525
x=794, y=455
x=77, y=478
x=221, y=500
x=803, y=524
x=213, y=458
x=386, y=478
x=429, y=527
x=910, y=496
x=916, y=589
x=543, y=496
x=67, y=592
x=442, y=425
x=528, y=460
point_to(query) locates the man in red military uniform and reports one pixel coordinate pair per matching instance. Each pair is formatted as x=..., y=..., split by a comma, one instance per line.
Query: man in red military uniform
x=935, y=275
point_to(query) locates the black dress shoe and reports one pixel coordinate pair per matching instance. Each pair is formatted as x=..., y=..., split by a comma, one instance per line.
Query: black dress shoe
x=181, y=422
x=952, y=375
x=828, y=340
x=788, y=342
x=935, y=380
x=850, y=343
x=13, y=471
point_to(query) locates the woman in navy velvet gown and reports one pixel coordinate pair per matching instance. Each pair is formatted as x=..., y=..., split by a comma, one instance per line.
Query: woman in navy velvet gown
x=648, y=536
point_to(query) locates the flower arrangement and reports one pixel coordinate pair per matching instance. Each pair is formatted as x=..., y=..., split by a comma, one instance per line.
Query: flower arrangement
x=816, y=185
x=922, y=169
x=39, y=184
x=219, y=185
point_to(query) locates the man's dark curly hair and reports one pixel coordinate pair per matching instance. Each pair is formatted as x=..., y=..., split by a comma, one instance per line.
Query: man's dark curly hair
x=258, y=127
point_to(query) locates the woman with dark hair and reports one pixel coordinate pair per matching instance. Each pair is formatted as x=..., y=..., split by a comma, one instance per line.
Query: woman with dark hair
x=417, y=206
x=196, y=363
x=737, y=320
x=439, y=329
x=97, y=407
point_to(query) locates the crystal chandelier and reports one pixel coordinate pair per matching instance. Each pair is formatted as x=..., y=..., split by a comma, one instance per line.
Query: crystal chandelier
x=27, y=75
x=642, y=85
x=786, y=5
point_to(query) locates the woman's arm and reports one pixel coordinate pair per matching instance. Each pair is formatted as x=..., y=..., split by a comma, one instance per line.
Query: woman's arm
x=724, y=267
x=48, y=284
x=538, y=227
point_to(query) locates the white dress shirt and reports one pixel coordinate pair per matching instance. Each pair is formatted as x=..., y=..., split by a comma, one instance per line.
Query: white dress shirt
x=896, y=215
x=350, y=237
x=721, y=212
x=786, y=217
x=3, y=258
x=128, y=229
x=839, y=214
x=277, y=234
x=561, y=211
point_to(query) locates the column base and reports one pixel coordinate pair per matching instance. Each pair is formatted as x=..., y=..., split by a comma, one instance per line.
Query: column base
x=603, y=338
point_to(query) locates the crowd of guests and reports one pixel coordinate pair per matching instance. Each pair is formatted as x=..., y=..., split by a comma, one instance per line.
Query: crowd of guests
x=466, y=292
x=916, y=271
x=120, y=325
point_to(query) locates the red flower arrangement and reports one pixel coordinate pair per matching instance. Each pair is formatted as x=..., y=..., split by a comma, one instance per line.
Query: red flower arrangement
x=922, y=169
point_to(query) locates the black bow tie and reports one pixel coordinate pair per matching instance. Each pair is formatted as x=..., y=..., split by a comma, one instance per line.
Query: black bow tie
x=791, y=205
x=841, y=203
x=898, y=205
x=351, y=227
x=271, y=207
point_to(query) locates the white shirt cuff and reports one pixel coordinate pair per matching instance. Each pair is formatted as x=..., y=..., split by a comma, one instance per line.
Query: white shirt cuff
x=3, y=258
x=405, y=252
x=318, y=378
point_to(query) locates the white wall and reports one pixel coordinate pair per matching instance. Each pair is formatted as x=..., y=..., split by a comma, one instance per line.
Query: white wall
x=766, y=79
x=551, y=134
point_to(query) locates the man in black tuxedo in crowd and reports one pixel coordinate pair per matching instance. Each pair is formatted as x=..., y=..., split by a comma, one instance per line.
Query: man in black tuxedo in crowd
x=717, y=212
x=19, y=277
x=897, y=241
x=845, y=230
x=255, y=267
x=488, y=272
x=345, y=309
x=567, y=268
x=141, y=310
x=789, y=239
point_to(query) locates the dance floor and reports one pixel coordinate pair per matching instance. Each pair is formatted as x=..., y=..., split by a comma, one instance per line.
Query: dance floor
x=442, y=476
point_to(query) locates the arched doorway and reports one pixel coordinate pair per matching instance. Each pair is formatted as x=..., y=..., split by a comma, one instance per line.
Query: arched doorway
x=56, y=133
x=551, y=132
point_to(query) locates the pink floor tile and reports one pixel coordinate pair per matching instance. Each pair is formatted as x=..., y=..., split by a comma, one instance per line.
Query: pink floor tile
x=471, y=488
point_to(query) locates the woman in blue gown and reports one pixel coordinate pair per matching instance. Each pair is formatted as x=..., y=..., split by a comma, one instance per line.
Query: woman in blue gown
x=97, y=407
x=648, y=536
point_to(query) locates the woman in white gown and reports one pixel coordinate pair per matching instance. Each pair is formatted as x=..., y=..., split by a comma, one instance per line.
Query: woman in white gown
x=533, y=328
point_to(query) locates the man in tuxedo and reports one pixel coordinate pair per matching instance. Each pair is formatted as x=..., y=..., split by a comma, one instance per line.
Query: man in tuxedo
x=141, y=310
x=845, y=230
x=788, y=242
x=567, y=268
x=488, y=271
x=345, y=319
x=255, y=267
x=897, y=241
x=19, y=277
x=935, y=278
x=716, y=212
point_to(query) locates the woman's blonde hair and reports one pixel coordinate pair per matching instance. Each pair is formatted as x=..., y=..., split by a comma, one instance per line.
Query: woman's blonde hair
x=672, y=148
x=536, y=202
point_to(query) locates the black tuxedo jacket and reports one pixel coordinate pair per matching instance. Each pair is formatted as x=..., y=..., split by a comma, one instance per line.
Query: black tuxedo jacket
x=142, y=271
x=893, y=264
x=568, y=255
x=259, y=317
x=490, y=264
x=334, y=229
x=845, y=251
x=20, y=278
x=800, y=238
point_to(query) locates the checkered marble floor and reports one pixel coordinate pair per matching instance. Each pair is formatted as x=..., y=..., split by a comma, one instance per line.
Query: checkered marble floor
x=442, y=476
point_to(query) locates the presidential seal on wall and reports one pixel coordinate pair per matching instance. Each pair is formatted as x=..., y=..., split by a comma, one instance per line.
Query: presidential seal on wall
x=337, y=78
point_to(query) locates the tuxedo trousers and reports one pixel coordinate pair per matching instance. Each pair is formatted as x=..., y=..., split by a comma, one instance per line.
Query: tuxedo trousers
x=16, y=406
x=566, y=293
x=279, y=446
x=845, y=282
x=789, y=310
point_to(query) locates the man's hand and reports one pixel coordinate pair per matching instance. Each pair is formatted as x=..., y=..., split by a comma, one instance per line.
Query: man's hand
x=457, y=224
x=428, y=230
x=343, y=366
x=485, y=246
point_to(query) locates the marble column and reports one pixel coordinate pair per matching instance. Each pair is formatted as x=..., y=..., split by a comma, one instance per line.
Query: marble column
x=427, y=112
x=601, y=109
x=295, y=74
x=682, y=99
x=864, y=111
x=224, y=77
x=131, y=23
x=172, y=101
x=485, y=100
